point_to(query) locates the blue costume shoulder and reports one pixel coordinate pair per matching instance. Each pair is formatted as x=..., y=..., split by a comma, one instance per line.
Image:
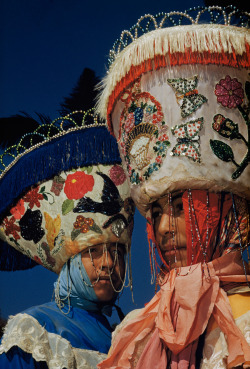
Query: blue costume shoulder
x=80, y=335
x=83, y=329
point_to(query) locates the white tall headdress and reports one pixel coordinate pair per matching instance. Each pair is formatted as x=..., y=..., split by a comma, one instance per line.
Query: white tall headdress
x=177, y=100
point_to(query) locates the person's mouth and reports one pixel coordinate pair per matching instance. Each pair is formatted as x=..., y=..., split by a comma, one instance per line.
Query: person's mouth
x=170, y=251
x=106, y=279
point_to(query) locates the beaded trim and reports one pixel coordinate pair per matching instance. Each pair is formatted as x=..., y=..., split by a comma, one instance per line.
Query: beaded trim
x=62, y=126
x=147, y=23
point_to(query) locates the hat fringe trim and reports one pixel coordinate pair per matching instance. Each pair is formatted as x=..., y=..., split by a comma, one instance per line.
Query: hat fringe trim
x=79, y=148
x=12, y=259
x=200, y=44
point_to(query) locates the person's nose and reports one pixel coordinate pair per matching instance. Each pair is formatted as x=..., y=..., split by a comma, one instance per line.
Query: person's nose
x=166, y=225
x=107, y=261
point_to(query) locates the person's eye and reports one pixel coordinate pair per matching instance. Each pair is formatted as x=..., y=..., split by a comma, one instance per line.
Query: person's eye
x=93, y=250
x=157, y=213
x=178, y=206
x=117, y=251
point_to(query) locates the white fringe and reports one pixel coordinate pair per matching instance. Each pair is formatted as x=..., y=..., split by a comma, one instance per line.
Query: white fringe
x=199, y=38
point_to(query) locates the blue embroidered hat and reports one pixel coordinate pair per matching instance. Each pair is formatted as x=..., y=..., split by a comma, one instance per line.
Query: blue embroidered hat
x=176, y=97
x=63, y=191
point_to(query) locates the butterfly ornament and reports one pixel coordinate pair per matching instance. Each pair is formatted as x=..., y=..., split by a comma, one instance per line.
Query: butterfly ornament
x=188, y=139
x=187, y=95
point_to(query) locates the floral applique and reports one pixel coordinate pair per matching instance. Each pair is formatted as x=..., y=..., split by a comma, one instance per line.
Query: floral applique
x=141, y=125
x=187, y=95
x=188, y=138
x=30, y=225
x=230, y=94
x=33, y=197
x=83, y=225
x=117, y=175
x=18, y=210
x=78, y=184
x=57, y=185
x=53, y=227
x=11, y=228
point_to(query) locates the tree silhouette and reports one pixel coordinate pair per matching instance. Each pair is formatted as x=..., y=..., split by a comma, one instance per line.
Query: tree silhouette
x=83, y=95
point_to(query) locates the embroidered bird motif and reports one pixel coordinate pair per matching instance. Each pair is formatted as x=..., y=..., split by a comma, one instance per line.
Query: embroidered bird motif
x=111, y=204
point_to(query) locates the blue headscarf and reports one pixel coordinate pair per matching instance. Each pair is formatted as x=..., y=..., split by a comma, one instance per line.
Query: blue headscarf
x=73, y=290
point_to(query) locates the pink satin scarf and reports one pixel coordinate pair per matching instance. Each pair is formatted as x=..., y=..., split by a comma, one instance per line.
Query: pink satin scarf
x=197, y=293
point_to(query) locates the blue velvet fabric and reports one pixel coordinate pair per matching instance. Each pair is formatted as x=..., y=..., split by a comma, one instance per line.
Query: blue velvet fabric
x=83, y=329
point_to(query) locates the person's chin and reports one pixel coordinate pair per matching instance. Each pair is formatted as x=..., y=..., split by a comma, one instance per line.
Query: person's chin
x=104, y=291
x=175, y=258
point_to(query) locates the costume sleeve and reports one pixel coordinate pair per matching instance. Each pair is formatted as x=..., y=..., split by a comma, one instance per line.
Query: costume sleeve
x=16, y=358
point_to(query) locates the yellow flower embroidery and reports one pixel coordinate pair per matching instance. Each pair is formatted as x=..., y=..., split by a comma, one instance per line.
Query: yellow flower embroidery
x=53, y=227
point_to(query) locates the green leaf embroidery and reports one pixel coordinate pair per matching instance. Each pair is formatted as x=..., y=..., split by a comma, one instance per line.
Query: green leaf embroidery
x=45, y=196
x=222, y=150
x=67, y=206
x=96, y=228
x=75, y=233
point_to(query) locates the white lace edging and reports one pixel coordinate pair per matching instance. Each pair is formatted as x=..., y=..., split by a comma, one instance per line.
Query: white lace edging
x=215, y=350
x=24, y=331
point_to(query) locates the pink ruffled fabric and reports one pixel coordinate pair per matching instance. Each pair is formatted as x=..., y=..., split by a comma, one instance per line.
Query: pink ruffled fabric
x=198, y=294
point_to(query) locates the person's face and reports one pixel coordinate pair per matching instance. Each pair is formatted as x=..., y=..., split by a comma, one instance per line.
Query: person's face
x=102, y=263
x=170, y=229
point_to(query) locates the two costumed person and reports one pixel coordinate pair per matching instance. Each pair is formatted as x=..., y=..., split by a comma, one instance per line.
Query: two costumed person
x=65, y=205
x=177, y=99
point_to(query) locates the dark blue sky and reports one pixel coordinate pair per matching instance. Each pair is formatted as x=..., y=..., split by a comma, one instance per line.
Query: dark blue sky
x=45, y=45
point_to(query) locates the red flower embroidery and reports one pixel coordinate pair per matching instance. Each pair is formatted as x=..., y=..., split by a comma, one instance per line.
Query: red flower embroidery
x=18, y=210
x=11, y=227
x=164, y=137
x=33, y=197
x=78, y=184
x=218, y=121
x=229, y=92
x=157, y=117
x=158, y=159
x=117, y=175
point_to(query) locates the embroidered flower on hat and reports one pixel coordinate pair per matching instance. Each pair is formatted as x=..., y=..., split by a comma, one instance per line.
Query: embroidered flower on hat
x=52, y=226
x=33, y=197
x=57, y=185
x=117, y=175
x=225, y=127
x=11, y=228
x=84, y=225
x=78, y=184
x=229, y=92
x=18, y=210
